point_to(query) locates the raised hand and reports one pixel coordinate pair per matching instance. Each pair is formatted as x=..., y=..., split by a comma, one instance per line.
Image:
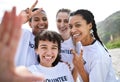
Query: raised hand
x=79, y=65
x=10, y=31
x=27, y=13
x=78, y=59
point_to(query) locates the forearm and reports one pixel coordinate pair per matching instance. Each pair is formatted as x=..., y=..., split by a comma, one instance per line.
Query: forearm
x=75, y=74
x=84, y=75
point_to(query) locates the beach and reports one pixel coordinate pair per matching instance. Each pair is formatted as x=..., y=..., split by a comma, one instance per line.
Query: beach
x=115, y=53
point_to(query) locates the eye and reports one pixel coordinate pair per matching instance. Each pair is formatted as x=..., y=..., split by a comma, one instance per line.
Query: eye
x=36, y=19
x=54, y=48
x=59, y=21
x=44, y=18
x=77, y=25
x=43, y=47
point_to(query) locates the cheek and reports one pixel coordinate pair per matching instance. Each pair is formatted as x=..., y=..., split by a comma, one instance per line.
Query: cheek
x=55, y=53
x=41, y=52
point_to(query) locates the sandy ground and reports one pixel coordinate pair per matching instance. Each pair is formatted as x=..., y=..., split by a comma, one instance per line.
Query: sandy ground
x=115, y=53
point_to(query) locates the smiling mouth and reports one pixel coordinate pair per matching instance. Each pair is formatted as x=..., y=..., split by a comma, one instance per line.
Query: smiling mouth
x=76, y=35
x=48, y=57
x=64, y=29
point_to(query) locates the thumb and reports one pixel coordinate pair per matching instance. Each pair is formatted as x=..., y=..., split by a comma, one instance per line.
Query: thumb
x=81, y=53
x=73, y=52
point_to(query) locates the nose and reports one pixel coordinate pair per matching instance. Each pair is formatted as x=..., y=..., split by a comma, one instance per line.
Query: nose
x=72, y=30
x=41, y=24
x=49, y=52
x=62, y=24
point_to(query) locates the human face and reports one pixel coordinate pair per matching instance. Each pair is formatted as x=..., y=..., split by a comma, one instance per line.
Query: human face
x=62, y=23
x=39, y=23
x=48, y=52
x=80, y=30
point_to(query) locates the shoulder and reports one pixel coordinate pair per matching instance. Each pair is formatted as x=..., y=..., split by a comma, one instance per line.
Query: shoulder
x=64, y=66
x=26, y=31
x=32, y=67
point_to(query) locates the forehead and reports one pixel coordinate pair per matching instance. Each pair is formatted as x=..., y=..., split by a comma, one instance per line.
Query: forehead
x=76, y=18
x=47, y=43
x=62, y=15
x=40, y=15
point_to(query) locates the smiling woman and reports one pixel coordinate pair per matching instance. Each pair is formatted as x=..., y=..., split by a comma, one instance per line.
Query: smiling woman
x=47, y=47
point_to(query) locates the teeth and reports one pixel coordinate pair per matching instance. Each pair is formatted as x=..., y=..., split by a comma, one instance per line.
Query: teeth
x=75, y=35
x=41, y=26
x=48, y=57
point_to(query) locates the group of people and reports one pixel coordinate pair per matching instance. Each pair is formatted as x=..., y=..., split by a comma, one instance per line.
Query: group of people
x=75, y=53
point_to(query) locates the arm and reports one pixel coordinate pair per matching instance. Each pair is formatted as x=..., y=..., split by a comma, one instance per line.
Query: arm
x=75, y=74
x=10, y=31
x=78, y=63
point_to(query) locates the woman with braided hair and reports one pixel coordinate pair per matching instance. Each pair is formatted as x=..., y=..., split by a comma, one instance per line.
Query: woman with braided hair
x=95, y=60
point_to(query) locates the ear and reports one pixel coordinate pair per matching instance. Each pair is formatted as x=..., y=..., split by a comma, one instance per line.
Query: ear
x=90, y=26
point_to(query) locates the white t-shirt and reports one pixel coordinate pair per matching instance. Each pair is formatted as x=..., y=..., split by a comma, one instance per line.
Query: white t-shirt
x=58, y=73
x=66, y=54
x=25, y=54
x=98, y=63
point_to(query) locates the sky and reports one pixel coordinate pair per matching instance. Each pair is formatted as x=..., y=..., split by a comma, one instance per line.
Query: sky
x=100, y=8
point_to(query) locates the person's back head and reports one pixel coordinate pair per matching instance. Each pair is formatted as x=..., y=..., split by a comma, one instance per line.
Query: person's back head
x=62, y=17
x=48, y=46
x=39, y=21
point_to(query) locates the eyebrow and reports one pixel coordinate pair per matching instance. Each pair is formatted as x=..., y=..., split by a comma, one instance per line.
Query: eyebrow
x=46, y=45
x=77, y=22
x=43, y=45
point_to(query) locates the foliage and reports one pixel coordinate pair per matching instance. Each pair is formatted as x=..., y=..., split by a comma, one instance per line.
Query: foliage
x=113, y=44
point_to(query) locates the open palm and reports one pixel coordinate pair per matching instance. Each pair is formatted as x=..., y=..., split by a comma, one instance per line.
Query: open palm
x=10, y=31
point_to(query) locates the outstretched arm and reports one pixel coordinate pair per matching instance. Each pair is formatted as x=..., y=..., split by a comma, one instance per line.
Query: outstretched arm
x=10, y=30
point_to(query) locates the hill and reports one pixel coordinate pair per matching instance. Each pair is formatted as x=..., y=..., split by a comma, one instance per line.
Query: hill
x=109, y=29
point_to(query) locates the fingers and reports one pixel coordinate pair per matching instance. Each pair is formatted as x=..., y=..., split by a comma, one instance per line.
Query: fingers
x=73, y=52
x=35, y=12
x=11, y=24
x=3, y=25
x=81, y=53
x=32, y=7
x=27, y=13
x=14, y=37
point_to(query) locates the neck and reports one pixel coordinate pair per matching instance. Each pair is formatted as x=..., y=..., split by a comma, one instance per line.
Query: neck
x=88, y=41
x=46, y=65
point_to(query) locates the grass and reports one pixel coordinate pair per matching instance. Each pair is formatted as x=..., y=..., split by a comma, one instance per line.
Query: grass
x=113, y=44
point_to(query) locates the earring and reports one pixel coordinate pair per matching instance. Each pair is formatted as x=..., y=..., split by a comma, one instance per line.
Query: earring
x=91, y=32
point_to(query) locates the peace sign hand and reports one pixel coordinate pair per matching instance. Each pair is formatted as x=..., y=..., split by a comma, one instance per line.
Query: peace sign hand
x=27, y=13
x=79, y=65
x=77, y=59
